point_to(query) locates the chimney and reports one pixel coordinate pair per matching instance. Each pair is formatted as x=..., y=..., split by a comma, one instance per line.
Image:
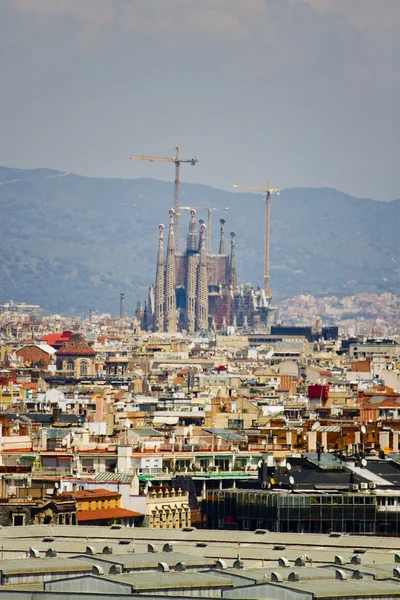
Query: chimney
x=122, y=305
x=56, y=414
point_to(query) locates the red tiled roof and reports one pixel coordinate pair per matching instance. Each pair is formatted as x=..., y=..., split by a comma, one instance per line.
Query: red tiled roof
x=56, y=339
x=106, y=514
x=76, y=346
x=92, y=494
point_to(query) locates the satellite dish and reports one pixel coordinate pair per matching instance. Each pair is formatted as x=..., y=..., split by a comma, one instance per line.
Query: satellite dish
x=30, y=498
x=316, y=425
x=364, y=462
x=288, y=466
x=363, y=429
x=291, y=480
x=259, y=464
x=56, y=485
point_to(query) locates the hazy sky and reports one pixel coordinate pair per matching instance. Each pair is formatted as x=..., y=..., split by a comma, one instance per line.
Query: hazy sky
x=303, y=92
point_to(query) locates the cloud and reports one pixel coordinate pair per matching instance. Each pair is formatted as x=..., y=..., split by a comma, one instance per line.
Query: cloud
x=255, y=31
x=373, y=17
x=99, y=11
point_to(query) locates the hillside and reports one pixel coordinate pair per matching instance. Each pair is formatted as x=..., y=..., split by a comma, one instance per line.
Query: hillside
x=70, y=243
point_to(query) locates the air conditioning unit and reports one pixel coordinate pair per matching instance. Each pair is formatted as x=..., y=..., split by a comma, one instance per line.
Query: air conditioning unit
x=355, y=487
x=372, y=485
x=363, y=486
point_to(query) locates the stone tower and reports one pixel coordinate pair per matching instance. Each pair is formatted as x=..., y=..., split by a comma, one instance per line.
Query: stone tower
x=170, y=279
x=222, y=237
x=202, y=284
x=232, y=263
x=159, y=288
x=191, y=274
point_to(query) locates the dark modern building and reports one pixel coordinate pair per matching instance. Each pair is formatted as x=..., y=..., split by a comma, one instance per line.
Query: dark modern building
x=319, y=494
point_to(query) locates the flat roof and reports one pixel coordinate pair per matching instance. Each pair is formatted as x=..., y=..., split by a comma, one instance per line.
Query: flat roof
x=335, y=588
x=42, y=565
x=150, y=559
x=172, y=580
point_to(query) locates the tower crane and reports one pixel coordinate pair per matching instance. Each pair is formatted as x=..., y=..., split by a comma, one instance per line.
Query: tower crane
x=209, y=210
x=267, y=191
x=177, y=160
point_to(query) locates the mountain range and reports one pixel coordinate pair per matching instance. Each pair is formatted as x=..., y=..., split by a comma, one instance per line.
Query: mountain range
x=72, y=243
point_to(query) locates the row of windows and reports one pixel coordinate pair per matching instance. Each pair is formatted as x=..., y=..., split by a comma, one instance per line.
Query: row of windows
x=94, y=504
x=298, y=500
x=83, y=368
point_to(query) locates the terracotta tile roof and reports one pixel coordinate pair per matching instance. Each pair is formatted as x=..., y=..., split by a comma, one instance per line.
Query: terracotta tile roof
x=106, y=514
x=29, y=386
x=56, y=339
x=98, y=493
x=76, y=346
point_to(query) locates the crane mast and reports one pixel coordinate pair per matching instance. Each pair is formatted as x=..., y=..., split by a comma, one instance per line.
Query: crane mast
x=177, y=160
x=267, y=191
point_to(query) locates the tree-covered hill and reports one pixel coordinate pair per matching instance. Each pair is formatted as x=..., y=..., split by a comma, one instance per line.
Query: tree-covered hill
x=71, y=243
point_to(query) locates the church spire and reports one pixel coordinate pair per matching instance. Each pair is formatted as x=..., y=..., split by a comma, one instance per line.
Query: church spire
x=222, y=237
x=191, y=267
x=202, y=284
x=192, y=237
x=232, y=263
x=170, y=279
x=159, y=291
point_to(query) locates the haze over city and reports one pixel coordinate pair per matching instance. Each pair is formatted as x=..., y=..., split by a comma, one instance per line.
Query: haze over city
x=304, y=92
x=199, y=385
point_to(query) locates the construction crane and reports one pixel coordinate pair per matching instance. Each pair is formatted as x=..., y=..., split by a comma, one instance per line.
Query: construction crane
x=267, y=191
x=209, y=210
x=177, y=160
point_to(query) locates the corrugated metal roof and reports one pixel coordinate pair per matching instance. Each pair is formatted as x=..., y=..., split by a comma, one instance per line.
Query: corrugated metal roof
x=227, y=434
x=327, y=459
x=52, y=434
x=111, y=477
x=328, y=428
x=147, y=432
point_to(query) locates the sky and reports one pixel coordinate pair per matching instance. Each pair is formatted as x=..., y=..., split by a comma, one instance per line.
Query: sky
x=299, y=92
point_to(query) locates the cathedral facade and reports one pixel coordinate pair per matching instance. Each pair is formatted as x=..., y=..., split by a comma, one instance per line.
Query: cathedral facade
x=195, y=291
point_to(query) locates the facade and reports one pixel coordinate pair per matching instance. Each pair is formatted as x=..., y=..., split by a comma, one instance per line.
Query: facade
x=304, y=512
x=44, y=511
x=36, y=355
x=196, y=290
x=102, y=507
x=76, y=358
x=167, y=508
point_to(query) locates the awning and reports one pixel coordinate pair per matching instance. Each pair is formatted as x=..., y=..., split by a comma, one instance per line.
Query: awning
x=165, y=420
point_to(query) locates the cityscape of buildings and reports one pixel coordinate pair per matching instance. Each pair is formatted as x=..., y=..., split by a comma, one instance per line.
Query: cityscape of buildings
x=125, y=451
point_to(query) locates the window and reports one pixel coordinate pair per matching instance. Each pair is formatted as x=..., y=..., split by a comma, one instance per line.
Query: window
x=70, y=366
x=18, y=520
x=235, y=423
x=83, y=368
